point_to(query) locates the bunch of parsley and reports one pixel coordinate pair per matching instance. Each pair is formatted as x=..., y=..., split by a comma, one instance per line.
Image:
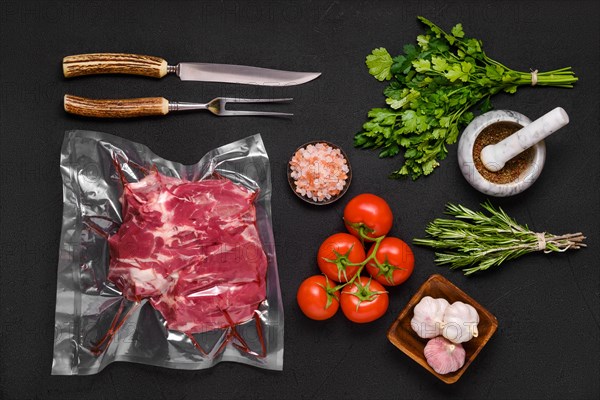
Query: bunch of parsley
x=434, y=85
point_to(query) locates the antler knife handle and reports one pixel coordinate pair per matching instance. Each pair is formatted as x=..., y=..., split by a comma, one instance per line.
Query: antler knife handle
x=116, y=108
x=114, y=63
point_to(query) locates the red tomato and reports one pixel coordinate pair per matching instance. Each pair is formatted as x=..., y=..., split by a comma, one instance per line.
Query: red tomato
x=364, y=301
x=369, y=212
x=340, y=249
x=315, y=301
x=396, y=262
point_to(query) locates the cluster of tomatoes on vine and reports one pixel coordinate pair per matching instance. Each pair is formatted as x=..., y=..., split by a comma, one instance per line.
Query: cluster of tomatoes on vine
x=342, y=258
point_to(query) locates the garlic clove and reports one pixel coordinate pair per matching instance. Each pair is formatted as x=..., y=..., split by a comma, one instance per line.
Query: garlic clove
x=444, y=356
x=428, y=317
x=460, y=322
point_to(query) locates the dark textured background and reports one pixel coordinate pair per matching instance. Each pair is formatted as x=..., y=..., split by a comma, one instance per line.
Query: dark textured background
x=547, y=344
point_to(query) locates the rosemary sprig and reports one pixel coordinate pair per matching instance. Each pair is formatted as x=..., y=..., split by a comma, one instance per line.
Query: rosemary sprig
x=475, y=241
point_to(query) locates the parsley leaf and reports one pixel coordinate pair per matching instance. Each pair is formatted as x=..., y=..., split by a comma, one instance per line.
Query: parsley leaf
x=379, y=63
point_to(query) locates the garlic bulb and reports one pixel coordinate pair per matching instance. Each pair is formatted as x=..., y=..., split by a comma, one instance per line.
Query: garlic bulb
x=460, y=322
x=428, y=317
x=443, y=356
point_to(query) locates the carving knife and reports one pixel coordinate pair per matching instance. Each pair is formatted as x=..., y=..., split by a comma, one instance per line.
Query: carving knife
x=156, y=67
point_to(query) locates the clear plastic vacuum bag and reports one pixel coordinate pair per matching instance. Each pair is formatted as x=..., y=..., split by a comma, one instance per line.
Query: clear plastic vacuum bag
x=162, y=263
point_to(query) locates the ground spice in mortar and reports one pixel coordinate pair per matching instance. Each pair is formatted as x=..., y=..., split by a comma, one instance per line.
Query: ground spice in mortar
x=514, y=167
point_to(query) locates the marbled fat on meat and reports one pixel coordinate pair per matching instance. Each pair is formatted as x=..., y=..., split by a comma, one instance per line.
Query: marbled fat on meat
x=192, y=248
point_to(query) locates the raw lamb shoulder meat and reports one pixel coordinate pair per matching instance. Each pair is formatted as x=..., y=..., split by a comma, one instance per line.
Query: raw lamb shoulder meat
x=192, y=248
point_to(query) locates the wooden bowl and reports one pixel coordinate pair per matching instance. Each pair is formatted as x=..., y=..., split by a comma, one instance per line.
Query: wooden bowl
x=403, y=337
x=292, y=182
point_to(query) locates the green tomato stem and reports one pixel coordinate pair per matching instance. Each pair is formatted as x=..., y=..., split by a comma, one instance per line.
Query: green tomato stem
x=376, y=243
x=330, y=293
x=364, y=293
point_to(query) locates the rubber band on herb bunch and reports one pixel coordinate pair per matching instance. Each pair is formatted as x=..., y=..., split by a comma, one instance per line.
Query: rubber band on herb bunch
x=541, y=237
x=534, y=77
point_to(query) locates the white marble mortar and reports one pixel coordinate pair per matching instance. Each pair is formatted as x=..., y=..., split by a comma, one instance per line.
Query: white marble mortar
x=467, y=164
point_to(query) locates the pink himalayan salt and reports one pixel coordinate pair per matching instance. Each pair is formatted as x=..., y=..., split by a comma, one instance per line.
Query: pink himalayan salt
x=319, y=171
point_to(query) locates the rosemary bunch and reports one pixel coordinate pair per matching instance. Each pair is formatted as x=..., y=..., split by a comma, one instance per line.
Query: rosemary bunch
x=475, y=241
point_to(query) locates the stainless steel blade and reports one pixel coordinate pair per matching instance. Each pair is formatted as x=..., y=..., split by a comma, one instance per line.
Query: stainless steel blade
x=242, y=74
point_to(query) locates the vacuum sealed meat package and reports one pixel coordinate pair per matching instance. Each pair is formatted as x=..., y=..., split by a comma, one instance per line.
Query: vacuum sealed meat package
x=162, y=263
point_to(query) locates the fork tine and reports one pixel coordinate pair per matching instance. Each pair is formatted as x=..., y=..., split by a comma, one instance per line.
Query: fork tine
x=223, y=111
x=236, y=100
x=229, y=113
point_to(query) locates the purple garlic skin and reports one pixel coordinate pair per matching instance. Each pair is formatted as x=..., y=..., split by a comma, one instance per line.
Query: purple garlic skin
x=444, y=356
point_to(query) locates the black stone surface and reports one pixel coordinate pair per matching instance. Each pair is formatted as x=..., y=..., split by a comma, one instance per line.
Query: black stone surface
x=548, y=307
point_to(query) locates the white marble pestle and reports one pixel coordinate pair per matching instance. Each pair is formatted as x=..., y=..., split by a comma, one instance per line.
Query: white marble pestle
x=495, y=156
